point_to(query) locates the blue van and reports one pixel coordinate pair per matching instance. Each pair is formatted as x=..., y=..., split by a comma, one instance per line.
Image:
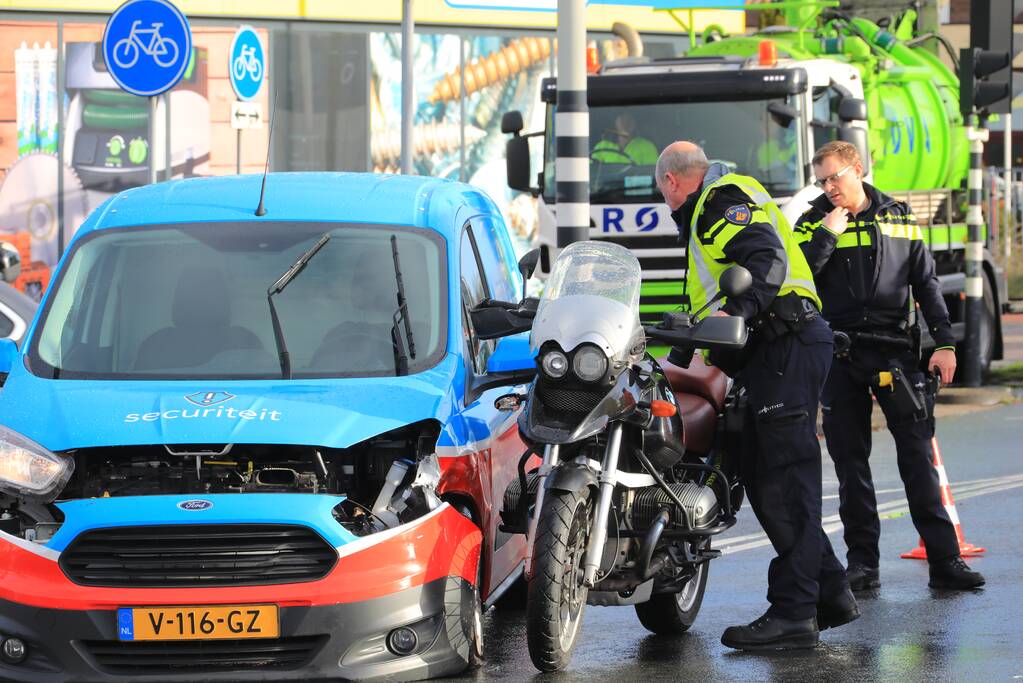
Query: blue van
x=238, y=446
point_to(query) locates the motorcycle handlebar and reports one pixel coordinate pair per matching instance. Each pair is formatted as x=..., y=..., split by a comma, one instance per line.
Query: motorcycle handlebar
x=713, y=332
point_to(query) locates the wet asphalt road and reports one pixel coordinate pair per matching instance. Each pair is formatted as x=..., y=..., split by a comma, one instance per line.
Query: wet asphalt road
x=908, y=632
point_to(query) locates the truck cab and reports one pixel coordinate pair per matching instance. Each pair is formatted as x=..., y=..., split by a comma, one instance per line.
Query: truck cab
x=762, y=104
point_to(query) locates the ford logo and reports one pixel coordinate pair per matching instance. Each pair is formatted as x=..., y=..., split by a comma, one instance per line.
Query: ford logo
x=193, y=505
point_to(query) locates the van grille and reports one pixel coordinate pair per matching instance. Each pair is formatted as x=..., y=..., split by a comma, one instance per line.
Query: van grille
x=197, y=555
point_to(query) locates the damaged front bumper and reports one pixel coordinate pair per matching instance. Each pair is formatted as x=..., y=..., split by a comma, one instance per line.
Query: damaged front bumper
x=419, y=576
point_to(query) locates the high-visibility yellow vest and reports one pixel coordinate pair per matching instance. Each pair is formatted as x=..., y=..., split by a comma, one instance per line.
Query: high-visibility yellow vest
x=707, y=260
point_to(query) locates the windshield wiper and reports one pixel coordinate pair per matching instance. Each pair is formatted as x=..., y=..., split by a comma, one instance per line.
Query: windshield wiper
x=278, y=287
x=401, y=356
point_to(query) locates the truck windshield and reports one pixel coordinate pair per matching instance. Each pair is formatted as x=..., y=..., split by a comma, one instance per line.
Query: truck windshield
x=189, y=301
x=625, y=142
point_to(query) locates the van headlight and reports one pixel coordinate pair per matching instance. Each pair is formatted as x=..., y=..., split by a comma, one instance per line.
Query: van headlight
x=28, y=470
x=589, y=363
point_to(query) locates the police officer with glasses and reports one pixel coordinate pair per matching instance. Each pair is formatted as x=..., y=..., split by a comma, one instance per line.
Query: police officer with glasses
x=870, y=263
x=725, y=219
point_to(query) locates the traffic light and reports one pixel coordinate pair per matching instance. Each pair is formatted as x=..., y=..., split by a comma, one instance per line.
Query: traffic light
x=984, y=78
x=985, y=74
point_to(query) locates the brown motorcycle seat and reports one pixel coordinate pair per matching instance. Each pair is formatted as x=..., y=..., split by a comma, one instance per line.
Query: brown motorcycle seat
x=698, y=421
x=700, y=379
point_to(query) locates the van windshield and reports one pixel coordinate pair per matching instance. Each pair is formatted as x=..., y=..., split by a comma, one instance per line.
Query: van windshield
x=189, y=301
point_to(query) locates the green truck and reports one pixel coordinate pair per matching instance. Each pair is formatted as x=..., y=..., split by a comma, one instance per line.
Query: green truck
x=762, y=104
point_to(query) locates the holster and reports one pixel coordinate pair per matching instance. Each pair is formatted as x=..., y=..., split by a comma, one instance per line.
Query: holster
x=908, y=401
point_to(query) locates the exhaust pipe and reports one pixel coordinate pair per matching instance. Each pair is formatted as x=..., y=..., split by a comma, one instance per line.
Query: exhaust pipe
x=631, y=37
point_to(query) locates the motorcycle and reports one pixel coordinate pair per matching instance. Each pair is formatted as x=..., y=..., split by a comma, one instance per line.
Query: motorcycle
x=620, y=512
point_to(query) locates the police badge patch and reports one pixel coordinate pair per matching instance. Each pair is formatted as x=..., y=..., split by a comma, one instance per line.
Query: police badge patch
x=739, y=214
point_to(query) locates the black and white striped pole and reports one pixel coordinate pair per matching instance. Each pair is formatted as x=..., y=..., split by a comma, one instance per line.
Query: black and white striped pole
x=970, y=355
x=572, y=127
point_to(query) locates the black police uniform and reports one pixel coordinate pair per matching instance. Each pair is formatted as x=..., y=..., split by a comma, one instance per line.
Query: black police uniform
x=783, y=373
x=864, y=278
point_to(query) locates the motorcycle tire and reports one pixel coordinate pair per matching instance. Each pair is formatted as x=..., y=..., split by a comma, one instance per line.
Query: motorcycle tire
x=674, y=613
x=556, y=597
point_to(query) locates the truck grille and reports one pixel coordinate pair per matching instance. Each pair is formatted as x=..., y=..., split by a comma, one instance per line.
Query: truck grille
x=197, y=555
x=170, y=657
x=660, y=256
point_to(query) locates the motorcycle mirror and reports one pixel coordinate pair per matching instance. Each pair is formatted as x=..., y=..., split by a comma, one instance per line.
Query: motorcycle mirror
x=527, y=264
x=735, y=281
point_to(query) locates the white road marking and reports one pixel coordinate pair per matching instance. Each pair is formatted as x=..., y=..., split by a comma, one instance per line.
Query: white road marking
x=833, y=523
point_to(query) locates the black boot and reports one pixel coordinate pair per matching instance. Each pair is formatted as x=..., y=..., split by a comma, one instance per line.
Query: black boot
x=954, y=573
x=837, y=610
x=773, y=633
x=862, y=577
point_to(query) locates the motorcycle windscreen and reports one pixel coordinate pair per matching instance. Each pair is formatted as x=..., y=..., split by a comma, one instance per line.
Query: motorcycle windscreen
x=592, y=295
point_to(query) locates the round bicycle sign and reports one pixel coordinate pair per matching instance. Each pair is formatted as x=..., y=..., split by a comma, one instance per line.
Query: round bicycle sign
x=247, y=63
x=147, y=45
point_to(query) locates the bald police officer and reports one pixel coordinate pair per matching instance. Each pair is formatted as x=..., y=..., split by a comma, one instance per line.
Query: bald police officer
x=725, y=219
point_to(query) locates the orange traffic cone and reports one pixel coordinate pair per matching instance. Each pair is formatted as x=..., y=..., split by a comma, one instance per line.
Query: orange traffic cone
x=965, y=549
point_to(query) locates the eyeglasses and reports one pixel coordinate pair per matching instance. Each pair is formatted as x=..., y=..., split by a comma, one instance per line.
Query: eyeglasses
x=833, y=178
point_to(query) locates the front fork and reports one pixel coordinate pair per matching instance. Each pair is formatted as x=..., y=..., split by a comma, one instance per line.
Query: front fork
x=550, y=456
x=607, y=480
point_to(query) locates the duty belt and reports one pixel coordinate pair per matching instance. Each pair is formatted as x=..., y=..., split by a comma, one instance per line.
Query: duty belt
x=788, y=313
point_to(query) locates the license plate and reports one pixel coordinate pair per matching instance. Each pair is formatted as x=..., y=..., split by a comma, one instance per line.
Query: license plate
x=209, y=622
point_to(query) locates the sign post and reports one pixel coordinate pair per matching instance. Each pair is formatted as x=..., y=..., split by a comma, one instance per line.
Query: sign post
x=147, y=45
x=247, y=67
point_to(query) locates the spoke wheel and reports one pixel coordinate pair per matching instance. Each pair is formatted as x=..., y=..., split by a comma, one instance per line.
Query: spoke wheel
x=556, y=595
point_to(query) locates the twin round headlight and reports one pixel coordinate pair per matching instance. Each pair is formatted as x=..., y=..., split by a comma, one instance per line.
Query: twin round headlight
x=588, y=363
x=27, y=469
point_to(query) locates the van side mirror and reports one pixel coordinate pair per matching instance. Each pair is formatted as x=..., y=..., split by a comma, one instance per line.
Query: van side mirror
x=512, y=354
x=8, y=357
x=10, y=262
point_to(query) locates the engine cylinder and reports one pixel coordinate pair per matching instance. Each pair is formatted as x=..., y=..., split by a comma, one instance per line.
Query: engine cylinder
x=700, y=511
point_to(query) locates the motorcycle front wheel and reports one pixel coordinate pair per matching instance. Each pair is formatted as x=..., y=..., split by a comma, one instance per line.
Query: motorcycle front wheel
x=555, y=594
x=674, y=613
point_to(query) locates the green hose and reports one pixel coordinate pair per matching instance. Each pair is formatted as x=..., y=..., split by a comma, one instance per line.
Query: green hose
x=110, y=97
x=114, y=118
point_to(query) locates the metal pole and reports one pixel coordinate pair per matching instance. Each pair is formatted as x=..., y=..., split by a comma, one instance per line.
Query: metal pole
x=60, y=138
x=572, y=126
x=1008, y=224
x=408, y=104
x=152, y=140
x=974, y=256
x=238, y=152
x=167, y=136
x=461, y=108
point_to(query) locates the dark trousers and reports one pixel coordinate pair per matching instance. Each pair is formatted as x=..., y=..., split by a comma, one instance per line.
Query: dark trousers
x=847, y=408
x=781, y=467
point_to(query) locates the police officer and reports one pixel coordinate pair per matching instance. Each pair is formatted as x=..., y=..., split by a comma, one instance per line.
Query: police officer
x=866, y=252
x=727, y=219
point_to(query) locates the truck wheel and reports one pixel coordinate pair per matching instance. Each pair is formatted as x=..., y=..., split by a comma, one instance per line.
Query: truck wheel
x=556, y=595
x=674, y=613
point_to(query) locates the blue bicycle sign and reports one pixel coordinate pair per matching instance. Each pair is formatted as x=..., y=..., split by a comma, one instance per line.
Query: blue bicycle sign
x=247, y=63
x=164, y=51
x=147, y=46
